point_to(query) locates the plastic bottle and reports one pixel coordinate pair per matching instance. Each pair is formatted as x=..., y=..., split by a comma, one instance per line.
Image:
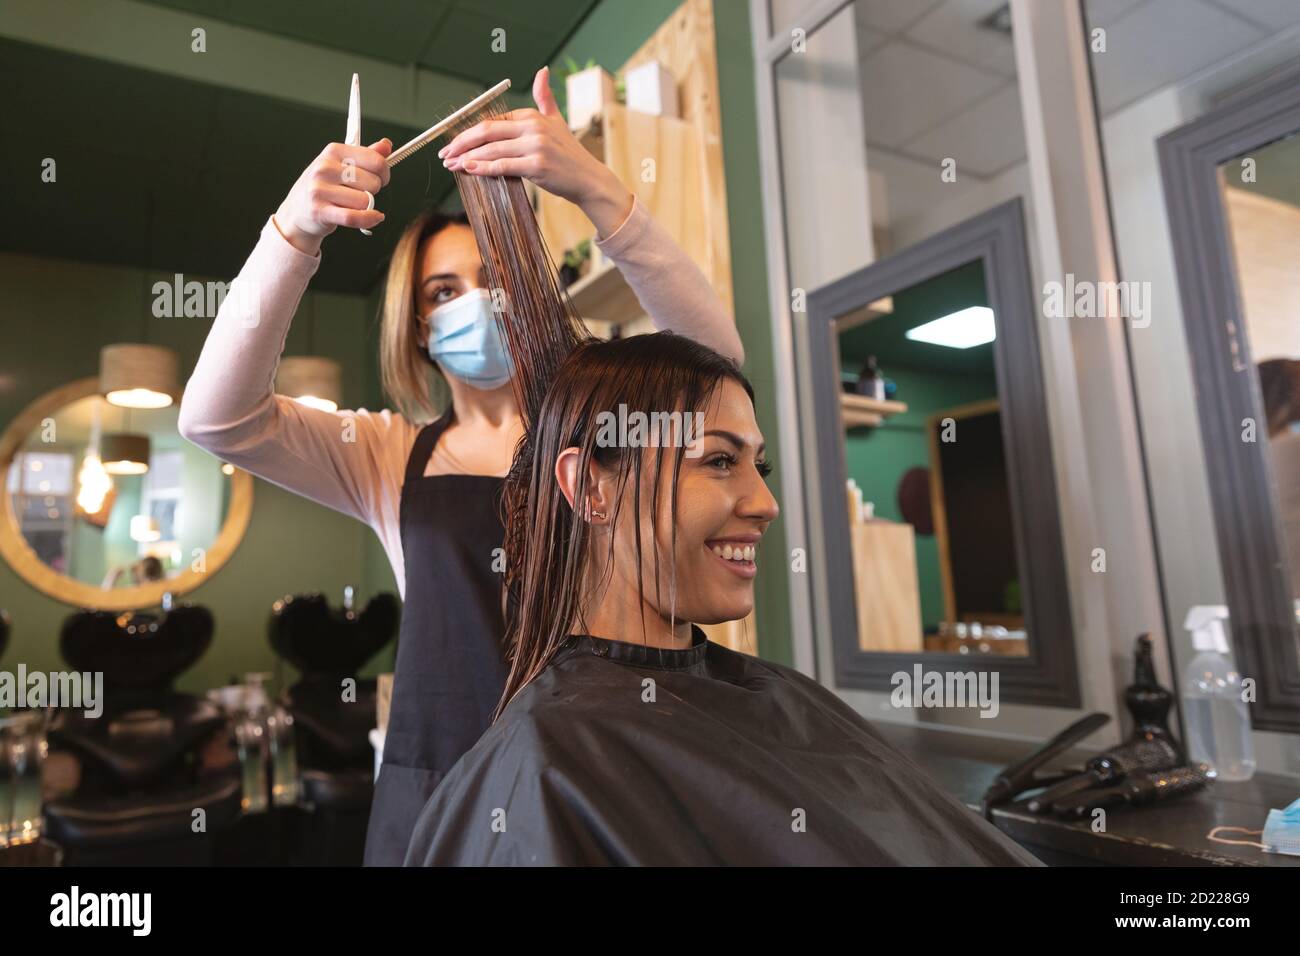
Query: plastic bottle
x=252, y=740
x=1218, y=719
x=284, y=757
x=870, y=382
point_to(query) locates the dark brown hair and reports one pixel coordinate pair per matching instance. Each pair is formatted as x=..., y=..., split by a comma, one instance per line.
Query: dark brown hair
x=539, y=323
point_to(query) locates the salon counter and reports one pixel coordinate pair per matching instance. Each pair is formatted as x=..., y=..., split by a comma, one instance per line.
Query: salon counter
x=1163, y=834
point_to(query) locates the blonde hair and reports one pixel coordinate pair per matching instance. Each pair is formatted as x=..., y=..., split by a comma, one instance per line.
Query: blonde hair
x=403, y=366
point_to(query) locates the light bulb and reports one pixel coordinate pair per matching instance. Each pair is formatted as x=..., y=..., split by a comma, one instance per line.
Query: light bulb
x=93, y=484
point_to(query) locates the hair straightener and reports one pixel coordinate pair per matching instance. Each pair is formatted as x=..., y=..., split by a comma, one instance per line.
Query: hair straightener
x=1026, y=775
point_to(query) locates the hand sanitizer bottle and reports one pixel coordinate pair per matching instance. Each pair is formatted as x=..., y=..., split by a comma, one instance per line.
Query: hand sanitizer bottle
x=1218, y=719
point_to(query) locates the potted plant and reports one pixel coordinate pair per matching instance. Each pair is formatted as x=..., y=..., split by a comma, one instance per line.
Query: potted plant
x=576, y=263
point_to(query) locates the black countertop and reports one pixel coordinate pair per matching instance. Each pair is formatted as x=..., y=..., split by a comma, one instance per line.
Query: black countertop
x=1163, y=834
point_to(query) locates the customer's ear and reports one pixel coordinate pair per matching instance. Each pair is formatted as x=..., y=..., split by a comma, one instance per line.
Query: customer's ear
x=566, y=473
x=597, y=508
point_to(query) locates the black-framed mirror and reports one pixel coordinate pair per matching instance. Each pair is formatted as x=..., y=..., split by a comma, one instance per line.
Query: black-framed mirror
x=1232, y=190
x=929, y=394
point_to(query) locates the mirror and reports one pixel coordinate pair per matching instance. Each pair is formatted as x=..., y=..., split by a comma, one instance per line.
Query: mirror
x=1232, y=195
x=1261, y=200
x=114, y=535
x=933, y=543
x=936, y=494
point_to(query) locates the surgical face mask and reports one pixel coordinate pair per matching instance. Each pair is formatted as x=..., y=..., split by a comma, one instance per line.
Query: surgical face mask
x=1281, y=833
x=1282, y=830
x=465, y=342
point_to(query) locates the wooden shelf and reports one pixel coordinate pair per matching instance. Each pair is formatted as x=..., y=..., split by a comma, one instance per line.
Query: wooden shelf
x=859, y=410
x=872, y=310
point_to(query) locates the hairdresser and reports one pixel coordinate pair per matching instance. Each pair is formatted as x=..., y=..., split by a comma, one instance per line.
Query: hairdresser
x=429, y=484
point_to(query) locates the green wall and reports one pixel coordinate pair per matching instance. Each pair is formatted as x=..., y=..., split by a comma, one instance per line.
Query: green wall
x=615, y=30
x=56, y=315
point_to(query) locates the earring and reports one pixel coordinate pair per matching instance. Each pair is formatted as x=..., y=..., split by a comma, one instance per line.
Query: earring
x=598, y=514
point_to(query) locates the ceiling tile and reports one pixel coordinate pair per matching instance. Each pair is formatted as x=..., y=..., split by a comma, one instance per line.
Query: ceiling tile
x=1272, y=14
x=869, y=40
x=908, y=90
x=954, y=28
x=891, y=16
x=984, y=139
x=1102, y=13
x=1162, y=42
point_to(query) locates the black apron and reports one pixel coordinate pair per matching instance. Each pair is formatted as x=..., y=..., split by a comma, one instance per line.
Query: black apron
x=450, y=669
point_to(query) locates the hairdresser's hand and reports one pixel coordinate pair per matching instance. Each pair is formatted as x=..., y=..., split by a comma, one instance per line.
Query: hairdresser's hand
x=331, y=192
x=539, y=146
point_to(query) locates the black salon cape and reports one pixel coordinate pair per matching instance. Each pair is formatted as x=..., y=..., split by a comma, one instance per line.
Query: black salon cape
x=625, y=754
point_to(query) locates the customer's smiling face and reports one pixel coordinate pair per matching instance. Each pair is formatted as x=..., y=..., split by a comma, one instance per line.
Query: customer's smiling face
x=724, y=508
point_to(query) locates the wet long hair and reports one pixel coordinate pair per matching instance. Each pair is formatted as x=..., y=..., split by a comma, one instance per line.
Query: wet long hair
x=549, y=544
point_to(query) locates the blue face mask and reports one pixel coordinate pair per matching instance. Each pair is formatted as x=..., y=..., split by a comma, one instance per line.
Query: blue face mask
x=1281, y=833
x=465, y=342
x=1282, y=830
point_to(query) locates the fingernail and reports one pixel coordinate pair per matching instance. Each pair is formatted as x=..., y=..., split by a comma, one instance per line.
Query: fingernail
x=443, y=152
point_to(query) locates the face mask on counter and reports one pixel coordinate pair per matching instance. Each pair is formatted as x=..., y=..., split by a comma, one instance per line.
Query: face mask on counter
x=465, y=341
x=1281, y=833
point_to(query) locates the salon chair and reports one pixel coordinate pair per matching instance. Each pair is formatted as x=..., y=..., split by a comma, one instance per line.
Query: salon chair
x=141, y=774
x=328, y=645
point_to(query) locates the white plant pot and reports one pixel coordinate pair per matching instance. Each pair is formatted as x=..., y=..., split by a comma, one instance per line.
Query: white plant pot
x=589, y=92
x=651, y=89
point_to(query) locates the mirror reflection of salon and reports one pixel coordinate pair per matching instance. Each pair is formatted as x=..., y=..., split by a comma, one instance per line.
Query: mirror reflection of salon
x=934, y=554
x=1261, y=197
x=134, y=516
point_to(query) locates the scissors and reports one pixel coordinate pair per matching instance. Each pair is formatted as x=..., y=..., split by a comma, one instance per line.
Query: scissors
x=353, y=135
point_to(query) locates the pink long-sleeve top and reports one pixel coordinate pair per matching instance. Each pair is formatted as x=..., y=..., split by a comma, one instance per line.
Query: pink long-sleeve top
x=230, y=409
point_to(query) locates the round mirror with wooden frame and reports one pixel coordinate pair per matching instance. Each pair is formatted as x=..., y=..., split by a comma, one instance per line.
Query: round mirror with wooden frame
x=120, y=541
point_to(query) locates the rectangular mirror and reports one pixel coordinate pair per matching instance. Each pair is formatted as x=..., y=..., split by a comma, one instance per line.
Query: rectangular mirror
x=934, y=553
x=1261, y=200
x=937, y=492
x=1232, y=191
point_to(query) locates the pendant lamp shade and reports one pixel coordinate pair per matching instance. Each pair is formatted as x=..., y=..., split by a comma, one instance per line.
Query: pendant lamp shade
x=311, y=380
x=133, y=375
x=124, y=453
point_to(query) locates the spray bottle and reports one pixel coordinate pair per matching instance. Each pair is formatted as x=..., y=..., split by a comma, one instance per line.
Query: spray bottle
x=1218, y=719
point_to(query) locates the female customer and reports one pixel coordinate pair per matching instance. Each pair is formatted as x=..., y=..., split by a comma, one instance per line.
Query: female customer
x=430, y=491
x=624, y=736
